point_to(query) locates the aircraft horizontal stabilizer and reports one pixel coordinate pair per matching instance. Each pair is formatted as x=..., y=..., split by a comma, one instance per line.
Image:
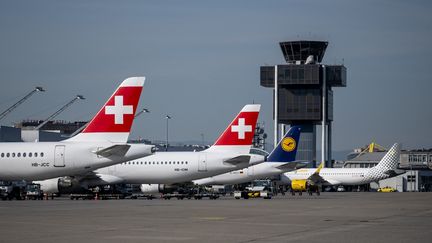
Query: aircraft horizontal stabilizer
x=393, y=173
x=295, y=165
x=238, y=160
x=119, y=150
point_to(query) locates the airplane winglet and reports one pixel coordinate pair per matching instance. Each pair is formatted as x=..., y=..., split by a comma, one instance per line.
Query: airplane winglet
x=319, y=168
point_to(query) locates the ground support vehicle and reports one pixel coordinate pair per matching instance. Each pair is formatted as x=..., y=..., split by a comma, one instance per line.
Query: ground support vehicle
x=246, y=194
x=34, y=192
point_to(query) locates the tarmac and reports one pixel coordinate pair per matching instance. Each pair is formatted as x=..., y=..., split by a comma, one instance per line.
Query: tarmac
x=331, y=217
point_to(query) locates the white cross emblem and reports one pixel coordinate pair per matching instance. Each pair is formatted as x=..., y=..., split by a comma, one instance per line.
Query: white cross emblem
x=118, y=109
x=241, y=128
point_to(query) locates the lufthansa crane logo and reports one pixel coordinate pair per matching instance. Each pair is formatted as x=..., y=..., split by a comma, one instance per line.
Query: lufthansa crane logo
x=288, y=144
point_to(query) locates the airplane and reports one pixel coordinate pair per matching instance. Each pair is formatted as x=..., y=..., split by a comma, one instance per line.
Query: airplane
x=229, y=152
x=102, y=143
x=280, y=160
x=301, y=179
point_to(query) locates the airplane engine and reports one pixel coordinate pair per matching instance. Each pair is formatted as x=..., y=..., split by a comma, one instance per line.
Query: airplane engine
x=157, y=188
x=65, y=184
x=299, y=185
x=49, y=186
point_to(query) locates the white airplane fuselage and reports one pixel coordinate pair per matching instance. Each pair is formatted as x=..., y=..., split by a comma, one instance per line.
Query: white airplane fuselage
x=259, y=171
x=175, y=167
x=43, y=160
x=337, y=176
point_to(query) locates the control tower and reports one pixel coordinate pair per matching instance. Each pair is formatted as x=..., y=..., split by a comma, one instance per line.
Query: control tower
x=303, y=95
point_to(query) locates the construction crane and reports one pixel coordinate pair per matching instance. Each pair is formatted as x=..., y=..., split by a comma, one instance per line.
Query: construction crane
x=78, y=97
x=10, y=109
x=370, y=148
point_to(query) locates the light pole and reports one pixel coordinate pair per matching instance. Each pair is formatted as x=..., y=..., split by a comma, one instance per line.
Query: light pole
x=167, y=117
x=144, y=110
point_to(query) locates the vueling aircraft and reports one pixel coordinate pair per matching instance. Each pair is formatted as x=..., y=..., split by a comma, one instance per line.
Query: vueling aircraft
x=386, y=168
x=280, y=160
x=229, y=152
x=102, y=143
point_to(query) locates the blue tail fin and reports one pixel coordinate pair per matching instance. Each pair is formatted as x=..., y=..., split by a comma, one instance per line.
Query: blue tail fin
x=286, y=150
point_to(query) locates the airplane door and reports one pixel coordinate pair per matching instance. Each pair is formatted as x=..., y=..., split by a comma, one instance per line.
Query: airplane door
x=202, y=163
x=59, y=156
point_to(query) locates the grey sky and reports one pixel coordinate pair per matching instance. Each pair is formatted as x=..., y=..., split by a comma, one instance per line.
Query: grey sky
x=202, y=59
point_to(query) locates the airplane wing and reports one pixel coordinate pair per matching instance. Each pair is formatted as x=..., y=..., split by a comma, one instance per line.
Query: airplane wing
x=315, y=178
x=93, y=179
x=119, y=150
x=238, y=160
x=294, y=165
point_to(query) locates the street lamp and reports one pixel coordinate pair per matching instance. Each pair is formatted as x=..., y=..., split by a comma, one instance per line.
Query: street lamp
x=144, y=110
x=167, y=117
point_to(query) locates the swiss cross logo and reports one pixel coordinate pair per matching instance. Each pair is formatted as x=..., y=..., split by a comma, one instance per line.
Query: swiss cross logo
x=240, y=131
x=118, y=109
x=241, y=128
x=117, y=114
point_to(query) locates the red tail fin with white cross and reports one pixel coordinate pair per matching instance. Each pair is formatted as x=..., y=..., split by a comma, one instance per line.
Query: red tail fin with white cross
x=238, y=136
x=114, y=120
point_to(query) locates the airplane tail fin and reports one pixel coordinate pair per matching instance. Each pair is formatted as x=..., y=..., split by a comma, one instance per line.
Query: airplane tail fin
x=390, y=161
x=114, y=120
x=238, y=136
x=286, y=149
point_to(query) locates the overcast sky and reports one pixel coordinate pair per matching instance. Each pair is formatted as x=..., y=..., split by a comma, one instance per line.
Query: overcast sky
x=202, y=59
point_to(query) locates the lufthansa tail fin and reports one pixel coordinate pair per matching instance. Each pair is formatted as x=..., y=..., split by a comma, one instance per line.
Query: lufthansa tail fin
x=114, y=120
x=238, y=136
x=286, y=150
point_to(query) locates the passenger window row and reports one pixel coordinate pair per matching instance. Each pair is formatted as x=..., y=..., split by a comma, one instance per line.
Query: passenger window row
x=155, y=163
x=18, y=155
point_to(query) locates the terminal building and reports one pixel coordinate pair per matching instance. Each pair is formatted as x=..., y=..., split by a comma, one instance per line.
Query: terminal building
x=25, y=131
x=417, y=165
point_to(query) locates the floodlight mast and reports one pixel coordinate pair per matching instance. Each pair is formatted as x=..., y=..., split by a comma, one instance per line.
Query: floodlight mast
x=78, y=97
x=14, y=106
